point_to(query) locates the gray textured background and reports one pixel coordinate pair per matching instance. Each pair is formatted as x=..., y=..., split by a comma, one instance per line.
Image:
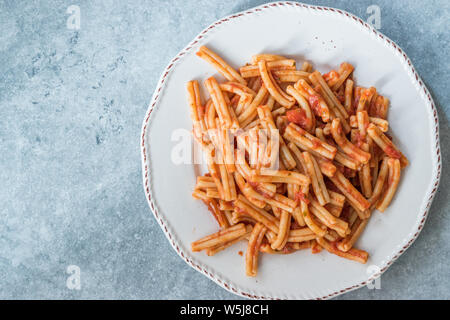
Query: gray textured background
x=72, y=103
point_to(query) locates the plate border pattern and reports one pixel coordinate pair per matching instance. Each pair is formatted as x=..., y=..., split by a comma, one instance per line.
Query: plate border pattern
x=157, y=93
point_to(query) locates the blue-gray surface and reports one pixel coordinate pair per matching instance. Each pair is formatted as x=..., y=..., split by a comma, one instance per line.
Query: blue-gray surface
x=72, y=103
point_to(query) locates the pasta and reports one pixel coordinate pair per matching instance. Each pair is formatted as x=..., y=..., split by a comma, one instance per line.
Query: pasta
x=296, y=159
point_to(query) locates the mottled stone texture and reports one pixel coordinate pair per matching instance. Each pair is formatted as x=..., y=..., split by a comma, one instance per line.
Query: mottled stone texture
x=72, y=103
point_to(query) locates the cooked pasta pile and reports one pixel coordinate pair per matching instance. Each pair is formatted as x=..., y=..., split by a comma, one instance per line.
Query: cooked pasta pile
x=296, y=159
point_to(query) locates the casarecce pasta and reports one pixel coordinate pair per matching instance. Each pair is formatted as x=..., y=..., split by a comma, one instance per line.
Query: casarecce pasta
x=296, y=159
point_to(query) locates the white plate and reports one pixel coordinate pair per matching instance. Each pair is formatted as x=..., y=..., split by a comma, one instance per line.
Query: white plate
x=326, y=37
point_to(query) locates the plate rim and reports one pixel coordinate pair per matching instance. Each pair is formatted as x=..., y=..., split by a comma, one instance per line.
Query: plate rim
x=414, y=77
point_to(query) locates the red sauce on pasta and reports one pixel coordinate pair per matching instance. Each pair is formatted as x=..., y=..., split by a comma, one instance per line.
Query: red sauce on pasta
x=358, y=139
x=298, y=116
x=300, y=196
x=330, y=75
x=392, y=152
x=314, y=102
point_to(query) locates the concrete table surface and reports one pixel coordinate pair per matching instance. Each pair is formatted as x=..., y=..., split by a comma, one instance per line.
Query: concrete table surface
x=71, y=106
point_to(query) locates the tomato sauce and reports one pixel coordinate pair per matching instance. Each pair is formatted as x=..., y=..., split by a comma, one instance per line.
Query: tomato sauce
x=330, y=75
x=240, y=210
x=347, y=172
x=366, y=94
x=316, y=248
x=334, y=245
x=392, y=152
x=316, y=143
x=358, y=139
x=314, y=102
x=288, y=248
x=300, y=196
x=235, y=101
x=298, y=116
x=253, y=184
